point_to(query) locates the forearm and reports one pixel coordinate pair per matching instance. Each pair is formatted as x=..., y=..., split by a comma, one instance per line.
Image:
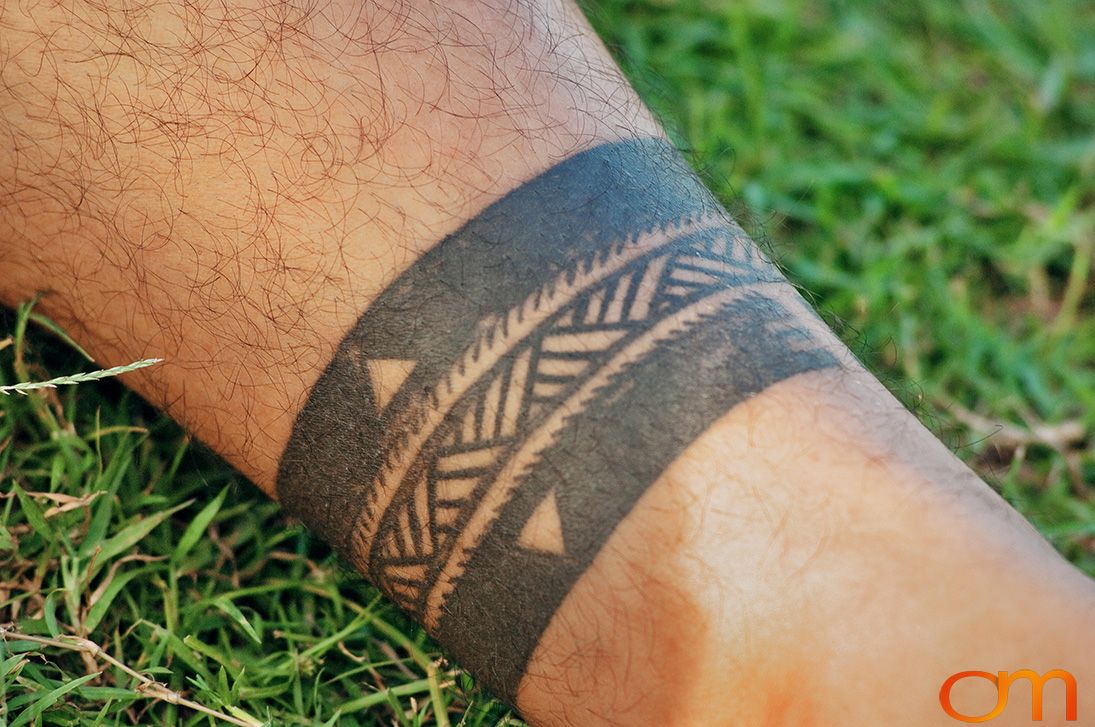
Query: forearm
x=232, y=187
x=338, y=232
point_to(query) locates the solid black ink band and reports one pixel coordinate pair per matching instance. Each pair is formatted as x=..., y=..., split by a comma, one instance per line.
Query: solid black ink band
x=599, y=466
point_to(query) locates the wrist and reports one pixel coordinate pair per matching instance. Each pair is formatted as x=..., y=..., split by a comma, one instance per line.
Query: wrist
x=778, y=561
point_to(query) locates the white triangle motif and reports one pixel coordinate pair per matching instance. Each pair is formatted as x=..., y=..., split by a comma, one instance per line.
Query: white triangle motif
x=544, y=530
x=387, y=375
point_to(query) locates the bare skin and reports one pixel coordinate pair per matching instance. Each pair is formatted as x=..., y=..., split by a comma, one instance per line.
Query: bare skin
x=230, y=187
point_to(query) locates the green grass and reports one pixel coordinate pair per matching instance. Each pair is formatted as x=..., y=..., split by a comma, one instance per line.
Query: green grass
x=925, y=169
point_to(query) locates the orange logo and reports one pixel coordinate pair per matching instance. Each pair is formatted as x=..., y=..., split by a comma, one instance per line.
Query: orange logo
x=1003, y=681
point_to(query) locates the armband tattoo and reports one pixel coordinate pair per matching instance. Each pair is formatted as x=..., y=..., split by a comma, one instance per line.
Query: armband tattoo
x=501, y=406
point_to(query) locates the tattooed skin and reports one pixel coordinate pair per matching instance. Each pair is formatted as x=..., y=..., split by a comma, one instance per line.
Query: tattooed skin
x=502, y=406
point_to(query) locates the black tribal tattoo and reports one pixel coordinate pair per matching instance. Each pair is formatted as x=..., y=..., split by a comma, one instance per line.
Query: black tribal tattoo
x=501, y=407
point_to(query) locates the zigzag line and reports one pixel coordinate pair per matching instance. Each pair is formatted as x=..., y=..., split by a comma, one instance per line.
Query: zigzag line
x=421, y=419
x=630, y=299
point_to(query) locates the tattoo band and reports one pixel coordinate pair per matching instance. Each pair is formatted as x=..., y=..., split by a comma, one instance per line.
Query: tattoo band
x=501, y=407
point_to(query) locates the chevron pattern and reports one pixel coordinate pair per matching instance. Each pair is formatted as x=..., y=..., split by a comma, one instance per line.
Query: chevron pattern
x=460, y=461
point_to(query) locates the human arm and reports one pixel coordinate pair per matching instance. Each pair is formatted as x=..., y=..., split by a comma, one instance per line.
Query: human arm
x=289, y=187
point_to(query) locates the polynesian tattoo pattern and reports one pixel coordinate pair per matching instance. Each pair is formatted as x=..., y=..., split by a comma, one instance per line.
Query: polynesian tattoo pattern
x=501, y=407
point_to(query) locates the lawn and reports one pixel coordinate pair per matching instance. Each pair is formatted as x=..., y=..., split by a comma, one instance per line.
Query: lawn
x=925, y=171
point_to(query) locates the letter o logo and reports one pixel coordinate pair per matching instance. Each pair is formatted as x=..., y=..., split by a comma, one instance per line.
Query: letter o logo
x=945, y=696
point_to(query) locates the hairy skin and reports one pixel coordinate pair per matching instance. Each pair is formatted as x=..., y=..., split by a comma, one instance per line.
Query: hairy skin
x=297, y=205
x=236, y=181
